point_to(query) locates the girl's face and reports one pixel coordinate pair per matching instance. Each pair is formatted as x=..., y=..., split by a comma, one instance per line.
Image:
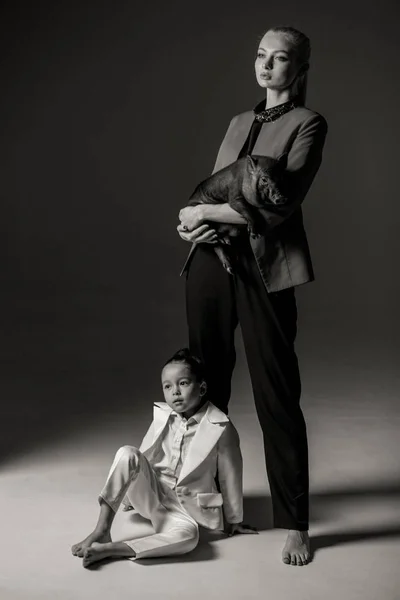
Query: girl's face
x=182, y=392
x=276, y=64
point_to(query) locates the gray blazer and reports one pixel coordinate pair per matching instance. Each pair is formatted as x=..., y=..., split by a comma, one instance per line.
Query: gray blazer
x=282, y=252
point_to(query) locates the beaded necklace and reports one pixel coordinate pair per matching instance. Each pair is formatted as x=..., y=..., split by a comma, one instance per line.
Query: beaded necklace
x=271, y=114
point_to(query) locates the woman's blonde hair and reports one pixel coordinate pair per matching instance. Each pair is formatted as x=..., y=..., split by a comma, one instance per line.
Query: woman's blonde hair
x=302, y=47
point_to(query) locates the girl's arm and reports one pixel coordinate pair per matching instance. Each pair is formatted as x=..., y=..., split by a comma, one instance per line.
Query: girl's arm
x=230, y=474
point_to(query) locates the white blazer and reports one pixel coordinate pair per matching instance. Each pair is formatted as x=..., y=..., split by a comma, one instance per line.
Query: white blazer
x=215, y=447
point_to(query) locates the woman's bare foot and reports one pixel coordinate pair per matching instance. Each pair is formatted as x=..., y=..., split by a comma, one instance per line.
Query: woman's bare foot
x=297, y=548
x=98, y=552
x=102, y=536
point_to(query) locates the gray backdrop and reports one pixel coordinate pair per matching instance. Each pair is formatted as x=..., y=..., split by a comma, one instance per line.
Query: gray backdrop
x=110, y=115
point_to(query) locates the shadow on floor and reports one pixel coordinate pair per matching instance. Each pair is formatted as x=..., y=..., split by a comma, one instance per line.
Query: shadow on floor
x=258, y=509
x=338, y=539
x=326, y=504
x=258, y=513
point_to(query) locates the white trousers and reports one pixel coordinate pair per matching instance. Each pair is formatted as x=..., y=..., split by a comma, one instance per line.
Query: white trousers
x=131, y=475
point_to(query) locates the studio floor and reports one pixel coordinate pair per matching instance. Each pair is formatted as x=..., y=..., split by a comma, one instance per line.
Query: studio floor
x=53, y=470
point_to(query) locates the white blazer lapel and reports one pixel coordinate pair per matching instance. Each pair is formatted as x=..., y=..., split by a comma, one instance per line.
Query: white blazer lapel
x=161, y=415
x=209, y=431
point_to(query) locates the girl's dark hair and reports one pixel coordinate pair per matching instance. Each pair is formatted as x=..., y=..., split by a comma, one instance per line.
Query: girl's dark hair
x=185, y=357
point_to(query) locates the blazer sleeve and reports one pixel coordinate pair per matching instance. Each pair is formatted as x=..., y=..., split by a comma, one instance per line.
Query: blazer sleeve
x=304, y=160
x=230, y=474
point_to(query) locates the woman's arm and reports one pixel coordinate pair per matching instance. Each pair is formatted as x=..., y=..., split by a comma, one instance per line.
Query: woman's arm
x=192, y=217
x=304, y=160
x=222, y=213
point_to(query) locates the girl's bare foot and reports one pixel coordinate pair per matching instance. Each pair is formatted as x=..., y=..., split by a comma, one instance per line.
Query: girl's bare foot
x=95, y=553
x=102, y=536
x=98, y=552
x=297, y=548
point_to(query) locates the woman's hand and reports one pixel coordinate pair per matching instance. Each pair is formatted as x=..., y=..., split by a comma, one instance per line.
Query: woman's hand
x=192, y=216
x=202, y=234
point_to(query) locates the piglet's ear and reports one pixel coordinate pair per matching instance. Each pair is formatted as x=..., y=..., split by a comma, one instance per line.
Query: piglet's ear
x=282, y=161
x=250, y=163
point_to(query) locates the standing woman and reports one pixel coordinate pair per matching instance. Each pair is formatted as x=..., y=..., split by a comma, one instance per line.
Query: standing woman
x=260, y=295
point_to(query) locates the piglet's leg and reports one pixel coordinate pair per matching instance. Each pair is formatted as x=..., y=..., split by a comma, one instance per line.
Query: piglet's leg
x=248, y=212
x=222, y=254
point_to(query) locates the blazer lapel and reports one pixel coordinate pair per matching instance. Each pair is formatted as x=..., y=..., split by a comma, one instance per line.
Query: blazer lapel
x=161, y=415
x=210, y=429
x=234, y=140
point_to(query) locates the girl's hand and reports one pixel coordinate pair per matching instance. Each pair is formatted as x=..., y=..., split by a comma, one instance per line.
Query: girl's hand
x=192, y=216
x=202, y=234
x=236, y=528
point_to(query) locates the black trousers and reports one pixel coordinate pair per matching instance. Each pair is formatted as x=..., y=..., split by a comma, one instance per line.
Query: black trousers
x=215, y=303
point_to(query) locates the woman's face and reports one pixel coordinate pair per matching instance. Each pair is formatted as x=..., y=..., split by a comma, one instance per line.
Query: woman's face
x=276, y=65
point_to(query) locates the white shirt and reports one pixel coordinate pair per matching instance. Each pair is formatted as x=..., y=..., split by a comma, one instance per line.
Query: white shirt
x=175, y=443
